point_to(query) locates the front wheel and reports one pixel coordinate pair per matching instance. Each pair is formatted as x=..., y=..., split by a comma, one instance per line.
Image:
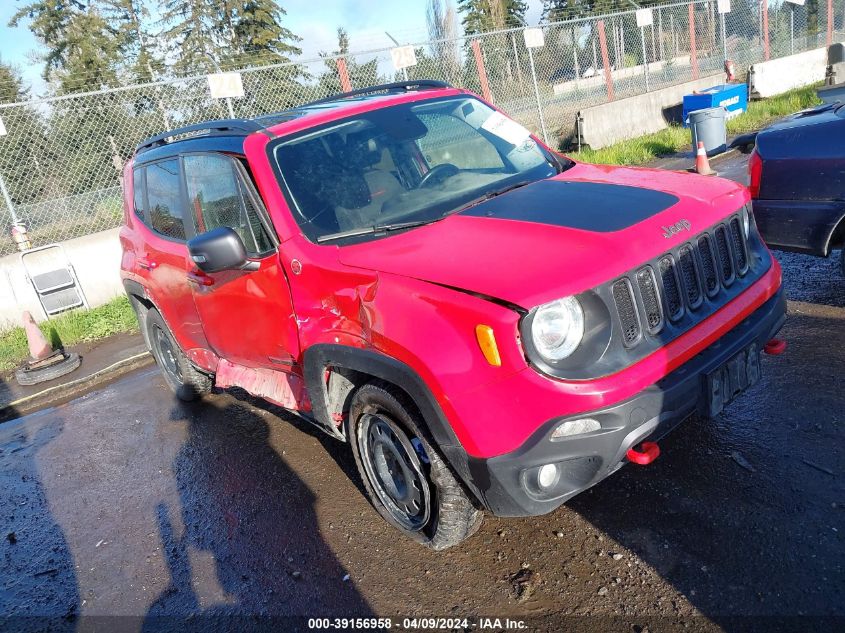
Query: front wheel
x=187, y=382
x=408, y=483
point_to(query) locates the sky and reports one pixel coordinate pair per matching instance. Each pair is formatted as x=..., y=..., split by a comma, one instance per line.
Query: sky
x=315, y=21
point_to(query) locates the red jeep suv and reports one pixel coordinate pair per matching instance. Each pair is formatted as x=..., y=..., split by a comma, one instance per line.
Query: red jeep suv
x=486, y=323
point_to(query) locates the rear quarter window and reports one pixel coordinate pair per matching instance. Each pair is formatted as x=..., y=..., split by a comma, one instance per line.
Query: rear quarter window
x=164, y=199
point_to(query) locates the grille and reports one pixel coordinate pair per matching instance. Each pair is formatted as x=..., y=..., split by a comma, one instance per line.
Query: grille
x=708, y=266
x=739, y=247
x=627, y=311
x=725, y=260
x=679, y=283
x=651, y=301
x=666, y=268
x=686, y=259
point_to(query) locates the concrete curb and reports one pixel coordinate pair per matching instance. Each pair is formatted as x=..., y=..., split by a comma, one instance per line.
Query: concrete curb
x=74, y=388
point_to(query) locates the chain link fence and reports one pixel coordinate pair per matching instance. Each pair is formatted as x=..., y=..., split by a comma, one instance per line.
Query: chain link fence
x=60, y=159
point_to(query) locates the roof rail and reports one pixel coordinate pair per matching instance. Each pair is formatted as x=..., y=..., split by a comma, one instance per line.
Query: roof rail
x=221, y=126
x=391, y=87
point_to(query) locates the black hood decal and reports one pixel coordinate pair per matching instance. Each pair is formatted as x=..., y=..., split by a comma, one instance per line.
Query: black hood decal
x=590, y=206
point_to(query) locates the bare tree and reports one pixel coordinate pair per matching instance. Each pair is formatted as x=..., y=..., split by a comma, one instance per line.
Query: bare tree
x=442, y=31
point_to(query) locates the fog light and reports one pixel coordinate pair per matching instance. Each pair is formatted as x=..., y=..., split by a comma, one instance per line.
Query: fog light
x=547, y=476
x=575, y=427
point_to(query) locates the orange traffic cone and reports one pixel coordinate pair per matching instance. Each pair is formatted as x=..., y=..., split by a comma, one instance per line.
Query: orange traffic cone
x=45, y=363
x=702, y=165
x=39, y=348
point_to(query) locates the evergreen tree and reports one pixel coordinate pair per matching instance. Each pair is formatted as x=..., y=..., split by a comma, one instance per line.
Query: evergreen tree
x=48, y=21
x=258, y=34
x=491, y=15
x=191, y=33
x=129, y=20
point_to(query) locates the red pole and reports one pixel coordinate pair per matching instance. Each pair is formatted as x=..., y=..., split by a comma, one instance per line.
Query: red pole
x=829, y=22
x=605, y=59
x=343, y=72
x=482, y=74
x=693, y=56
x=765, y=10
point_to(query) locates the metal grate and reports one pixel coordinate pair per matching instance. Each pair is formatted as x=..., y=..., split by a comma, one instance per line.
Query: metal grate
x=739, y=247
x=725, y=258
x=627, y=311
x=671, y=291
x=651, y=300
x=692, y=286
x=708, y=266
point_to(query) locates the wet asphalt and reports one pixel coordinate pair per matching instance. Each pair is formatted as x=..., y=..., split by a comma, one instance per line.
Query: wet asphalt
x=128, y=510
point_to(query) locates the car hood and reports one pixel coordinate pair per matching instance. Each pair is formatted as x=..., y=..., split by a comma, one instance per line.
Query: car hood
x=558, y=236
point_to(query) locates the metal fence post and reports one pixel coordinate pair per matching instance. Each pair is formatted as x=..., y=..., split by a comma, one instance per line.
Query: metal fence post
x=8, y=200
x=605, y=58
x=343, y=73
x=518, y=65
x=575, y=58
x=829, y=22
x=692, y=52
x=537, y=96
x=645, y=58
x=482, y=73
x=764, y=9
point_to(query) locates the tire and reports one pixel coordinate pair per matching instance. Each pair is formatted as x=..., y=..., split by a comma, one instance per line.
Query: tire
x=27, y=377
x=187, y=382
x=407, y=481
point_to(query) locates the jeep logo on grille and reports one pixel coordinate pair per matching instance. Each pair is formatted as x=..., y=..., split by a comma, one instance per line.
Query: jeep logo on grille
x=672, y=229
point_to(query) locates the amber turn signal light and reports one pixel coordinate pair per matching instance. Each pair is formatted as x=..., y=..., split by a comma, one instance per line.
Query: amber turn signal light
x=487, y=343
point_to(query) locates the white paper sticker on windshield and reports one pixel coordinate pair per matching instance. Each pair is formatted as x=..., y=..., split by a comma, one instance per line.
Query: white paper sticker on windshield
x=505, y=128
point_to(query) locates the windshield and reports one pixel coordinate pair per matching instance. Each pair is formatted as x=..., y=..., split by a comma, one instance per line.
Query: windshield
x=405, y=165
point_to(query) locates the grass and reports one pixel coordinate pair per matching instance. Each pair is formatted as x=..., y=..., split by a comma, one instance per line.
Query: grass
x=70, y=328
x=642, y=150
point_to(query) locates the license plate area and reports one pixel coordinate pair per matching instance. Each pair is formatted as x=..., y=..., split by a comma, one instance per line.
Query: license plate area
x=725, y=383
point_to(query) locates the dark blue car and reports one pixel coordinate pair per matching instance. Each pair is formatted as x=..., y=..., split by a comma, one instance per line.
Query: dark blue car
x=797, y=181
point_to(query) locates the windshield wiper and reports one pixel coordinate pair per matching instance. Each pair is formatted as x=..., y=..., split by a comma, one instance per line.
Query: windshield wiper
x=493, y=194
x=377, y=228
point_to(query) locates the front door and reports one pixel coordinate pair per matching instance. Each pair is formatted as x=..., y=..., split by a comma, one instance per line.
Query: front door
x=247, y=316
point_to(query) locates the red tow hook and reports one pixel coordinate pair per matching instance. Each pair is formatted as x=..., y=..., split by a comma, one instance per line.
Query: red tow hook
x=775, y=346
x=650, y=452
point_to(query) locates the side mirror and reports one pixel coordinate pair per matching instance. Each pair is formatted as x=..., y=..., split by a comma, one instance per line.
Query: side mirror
x=219, y=249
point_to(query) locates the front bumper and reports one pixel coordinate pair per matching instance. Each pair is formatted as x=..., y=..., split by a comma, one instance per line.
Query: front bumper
x=504, y=482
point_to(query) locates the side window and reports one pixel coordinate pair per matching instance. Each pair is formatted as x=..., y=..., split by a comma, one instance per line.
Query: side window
x=218, y=197
x=450, y=140
x=138, y=192
x=164, y=198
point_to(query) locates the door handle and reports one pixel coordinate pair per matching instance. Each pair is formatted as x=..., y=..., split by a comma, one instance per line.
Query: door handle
x=200, y=278
x=146, y=265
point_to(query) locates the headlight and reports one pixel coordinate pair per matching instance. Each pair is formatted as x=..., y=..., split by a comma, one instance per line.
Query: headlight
x=557, y=328
x=746, y=221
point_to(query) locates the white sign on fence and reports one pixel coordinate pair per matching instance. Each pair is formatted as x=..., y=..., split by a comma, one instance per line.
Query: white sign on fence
x=724, y=6
x=2, y=128
x=798, y=2
x=644, y=17
x=534, y=38
x=226, y=85
x=403, y=57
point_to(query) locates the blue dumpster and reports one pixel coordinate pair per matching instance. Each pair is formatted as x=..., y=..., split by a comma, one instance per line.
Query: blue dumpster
x=732, y=97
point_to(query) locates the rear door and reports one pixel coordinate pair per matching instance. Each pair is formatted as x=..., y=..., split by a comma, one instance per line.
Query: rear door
x=247, y=316
x=162, y=259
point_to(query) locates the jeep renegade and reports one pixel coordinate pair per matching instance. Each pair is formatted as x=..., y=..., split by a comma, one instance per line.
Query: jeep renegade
x=485, y=323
